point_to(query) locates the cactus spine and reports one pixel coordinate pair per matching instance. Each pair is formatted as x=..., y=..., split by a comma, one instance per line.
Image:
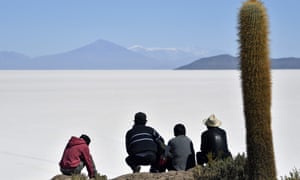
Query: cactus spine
x=256, y=89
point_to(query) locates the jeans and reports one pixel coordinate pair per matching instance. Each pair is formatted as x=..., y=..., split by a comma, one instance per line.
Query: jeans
x=76, y=170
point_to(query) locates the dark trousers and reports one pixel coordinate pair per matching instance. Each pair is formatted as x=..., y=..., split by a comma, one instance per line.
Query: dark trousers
x=144, y=158
x=201, y=158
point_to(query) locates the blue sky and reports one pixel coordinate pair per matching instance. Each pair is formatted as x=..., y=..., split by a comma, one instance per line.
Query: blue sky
x=41, y=27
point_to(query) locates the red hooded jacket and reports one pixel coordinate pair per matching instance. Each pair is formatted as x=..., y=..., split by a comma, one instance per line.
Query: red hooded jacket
x=77, y=150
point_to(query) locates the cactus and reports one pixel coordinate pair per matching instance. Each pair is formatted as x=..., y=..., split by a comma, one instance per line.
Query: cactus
x=256, y=89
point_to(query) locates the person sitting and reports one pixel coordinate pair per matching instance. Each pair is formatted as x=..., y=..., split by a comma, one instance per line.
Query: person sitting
x=76, y=155
x=213, y=141
x=181, y=154
x=143, y=145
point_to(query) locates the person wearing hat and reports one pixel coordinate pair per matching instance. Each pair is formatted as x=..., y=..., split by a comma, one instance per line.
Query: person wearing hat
x=213, y=141
x=77, y=155
x=143, y=145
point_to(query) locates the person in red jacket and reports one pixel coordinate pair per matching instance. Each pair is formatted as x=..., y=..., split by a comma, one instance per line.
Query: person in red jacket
x=77, y=155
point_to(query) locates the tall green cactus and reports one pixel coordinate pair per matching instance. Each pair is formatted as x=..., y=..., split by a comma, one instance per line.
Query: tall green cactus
x=256, y=88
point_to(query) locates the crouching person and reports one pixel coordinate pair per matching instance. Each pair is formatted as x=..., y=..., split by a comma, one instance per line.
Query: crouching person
x=76, y=156
x=143, y=145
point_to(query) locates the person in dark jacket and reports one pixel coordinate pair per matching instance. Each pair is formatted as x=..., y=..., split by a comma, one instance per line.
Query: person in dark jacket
x=181, y=154
x=143, y=145
x=213, y=141
x=77, y=155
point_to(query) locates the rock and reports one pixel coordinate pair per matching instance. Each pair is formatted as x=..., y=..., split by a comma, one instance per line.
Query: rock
x=62, y=177
x=171, y=175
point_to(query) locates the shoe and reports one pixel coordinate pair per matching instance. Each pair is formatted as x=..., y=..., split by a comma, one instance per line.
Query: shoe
x=153, y=170
x=136, y=169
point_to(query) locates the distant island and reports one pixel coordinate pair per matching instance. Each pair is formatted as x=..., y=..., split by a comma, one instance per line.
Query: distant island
x=230, y=62
x=105, y=55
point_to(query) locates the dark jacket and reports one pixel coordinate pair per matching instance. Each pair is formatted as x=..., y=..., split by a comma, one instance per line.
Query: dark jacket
x=142, y=138
x=77, y=150
x=214, y=140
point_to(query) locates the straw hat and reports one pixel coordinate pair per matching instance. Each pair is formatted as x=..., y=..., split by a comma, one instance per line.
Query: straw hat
x=212, y=121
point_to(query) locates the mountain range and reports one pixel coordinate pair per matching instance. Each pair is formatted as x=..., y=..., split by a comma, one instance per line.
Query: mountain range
x=103, y=55
x=100, y=54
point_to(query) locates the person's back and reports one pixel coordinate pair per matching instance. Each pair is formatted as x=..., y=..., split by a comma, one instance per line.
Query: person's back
x=142, y=144
x=182, y=155
x=77, y=155
x=214, y=141
x=140, y=139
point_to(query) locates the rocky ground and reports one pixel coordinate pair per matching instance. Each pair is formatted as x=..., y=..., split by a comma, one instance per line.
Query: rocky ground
x=171, y=175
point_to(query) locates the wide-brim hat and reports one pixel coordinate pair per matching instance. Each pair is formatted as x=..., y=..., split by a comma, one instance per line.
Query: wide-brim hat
x=212, y=121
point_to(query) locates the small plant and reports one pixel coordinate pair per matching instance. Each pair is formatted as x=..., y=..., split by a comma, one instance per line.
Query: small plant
x=294, y=175
x=79, y=177
x=228, y=169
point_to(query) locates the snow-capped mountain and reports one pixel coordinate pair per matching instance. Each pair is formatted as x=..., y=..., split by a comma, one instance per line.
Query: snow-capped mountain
x=174, y=57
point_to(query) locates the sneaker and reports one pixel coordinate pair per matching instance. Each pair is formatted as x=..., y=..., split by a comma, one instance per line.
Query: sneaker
x=136, y=169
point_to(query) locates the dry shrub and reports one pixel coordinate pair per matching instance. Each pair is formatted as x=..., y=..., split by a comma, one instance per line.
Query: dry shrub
x=228, y=169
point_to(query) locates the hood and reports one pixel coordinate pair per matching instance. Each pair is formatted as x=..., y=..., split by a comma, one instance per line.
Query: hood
x=75, y=141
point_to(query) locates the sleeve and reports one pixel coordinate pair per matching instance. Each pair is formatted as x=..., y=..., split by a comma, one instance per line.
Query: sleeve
x=88, y=160
x=193, y=160
x=192, y=148
x=203, y=147
x=159, y=140
x=225, y=142
x=168, y=150
x=156, y=136
x=127, y=143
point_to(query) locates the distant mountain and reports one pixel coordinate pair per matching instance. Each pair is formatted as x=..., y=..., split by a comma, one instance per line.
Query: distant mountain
x=214, y=62
x=13, y=60
x=173, y=57
x=104, y=55
x=100, y=54
x=230, y=62
x=286, y=63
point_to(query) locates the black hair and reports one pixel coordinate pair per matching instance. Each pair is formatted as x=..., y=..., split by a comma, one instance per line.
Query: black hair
x=86, y=138
x=140, y=118
x=179, y=129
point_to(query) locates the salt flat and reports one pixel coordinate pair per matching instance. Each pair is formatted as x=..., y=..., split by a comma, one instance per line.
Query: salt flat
x=40, y=110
